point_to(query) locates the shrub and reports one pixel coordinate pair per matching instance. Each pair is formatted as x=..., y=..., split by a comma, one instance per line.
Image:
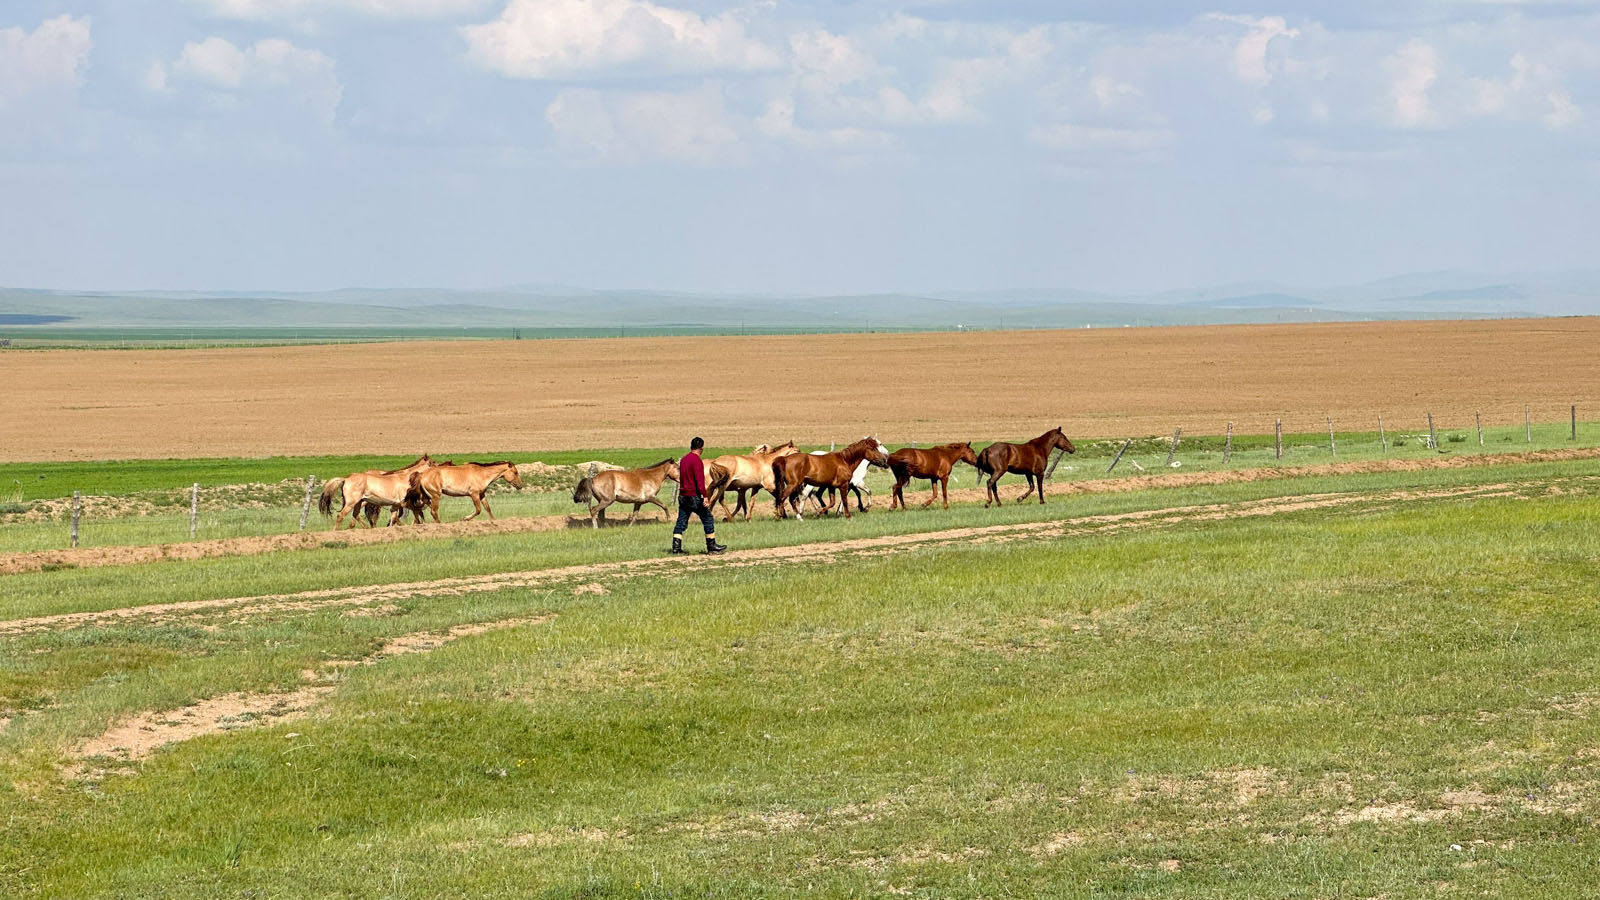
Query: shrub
x=1457, y=438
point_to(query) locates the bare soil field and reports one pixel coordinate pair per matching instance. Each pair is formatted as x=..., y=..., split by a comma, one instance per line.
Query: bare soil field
x=655, y=392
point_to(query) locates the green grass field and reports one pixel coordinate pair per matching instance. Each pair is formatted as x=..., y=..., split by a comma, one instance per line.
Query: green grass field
x=1395, y=696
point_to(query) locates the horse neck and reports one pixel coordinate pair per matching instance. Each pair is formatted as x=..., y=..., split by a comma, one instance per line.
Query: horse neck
x=854, y=454
x=1044, y=440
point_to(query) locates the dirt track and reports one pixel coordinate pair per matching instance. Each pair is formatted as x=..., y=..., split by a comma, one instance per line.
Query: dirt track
x=651, y=392
x=91, y=557
x=588, y=576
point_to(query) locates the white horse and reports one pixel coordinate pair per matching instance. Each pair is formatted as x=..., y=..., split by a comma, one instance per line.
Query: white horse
x=858, y=484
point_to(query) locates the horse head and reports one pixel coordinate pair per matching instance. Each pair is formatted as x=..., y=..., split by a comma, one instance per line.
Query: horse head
x=513, y=477
x=968, y=455
x=761, y=449
x=672, y=471
x=1059, y=441
x=872, y=451
x=787, y=449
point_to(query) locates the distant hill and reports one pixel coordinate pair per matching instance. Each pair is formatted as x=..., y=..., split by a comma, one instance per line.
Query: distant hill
x=1424, y=295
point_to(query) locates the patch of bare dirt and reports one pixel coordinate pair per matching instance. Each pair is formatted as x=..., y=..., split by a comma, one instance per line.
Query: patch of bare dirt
x=138, y=737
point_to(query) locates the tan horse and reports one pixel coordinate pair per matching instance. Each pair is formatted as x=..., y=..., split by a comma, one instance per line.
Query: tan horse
x=933, y=464
x=791, y=473
x=470, y=480
x=636, y=486
x=750, y=473
x=373, y=488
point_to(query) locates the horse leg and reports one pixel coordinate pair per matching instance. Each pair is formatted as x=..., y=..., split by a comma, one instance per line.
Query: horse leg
x=1029, y=492
x=635, y=517
x=991, y=492
x=657, y=501
x=933, y=485
x=844, y=500
x=487, y=508
x=1040, y=480
x=944, y=483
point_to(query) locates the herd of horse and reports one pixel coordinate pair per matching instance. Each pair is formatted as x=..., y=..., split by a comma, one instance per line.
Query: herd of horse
x=826, y=479
x=821, y=479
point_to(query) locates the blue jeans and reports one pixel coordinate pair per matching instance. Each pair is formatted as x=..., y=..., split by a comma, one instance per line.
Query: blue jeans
x=697, y=505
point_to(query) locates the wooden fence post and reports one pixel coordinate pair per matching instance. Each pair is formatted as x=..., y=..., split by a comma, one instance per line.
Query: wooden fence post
x=305, y=508
x=1383, y=439
x=194, y=509
x=1278, y=431
x=1527, y=421
x=1433, y=439
x=1478, y=414
x=1118, y=458
x=1574, y=423
x=1173, y=451
x=77, y=510
x=1332, y=448
x=1227, y=445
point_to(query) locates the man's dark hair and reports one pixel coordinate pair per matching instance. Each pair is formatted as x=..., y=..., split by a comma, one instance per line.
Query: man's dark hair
x=697, y=443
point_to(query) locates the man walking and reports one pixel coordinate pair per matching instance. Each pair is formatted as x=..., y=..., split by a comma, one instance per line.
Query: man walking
x=692, y=497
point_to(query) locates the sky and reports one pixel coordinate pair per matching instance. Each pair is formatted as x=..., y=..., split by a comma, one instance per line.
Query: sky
x=792, y=146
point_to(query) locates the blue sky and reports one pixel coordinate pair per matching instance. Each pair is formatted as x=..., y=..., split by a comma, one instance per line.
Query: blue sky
x=781, y=146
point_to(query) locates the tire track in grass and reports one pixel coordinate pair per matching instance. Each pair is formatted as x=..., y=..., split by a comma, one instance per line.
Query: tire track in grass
x=242, y=608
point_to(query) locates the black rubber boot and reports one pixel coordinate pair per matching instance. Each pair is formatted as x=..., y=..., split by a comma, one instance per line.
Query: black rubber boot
x=713, y=547
x=677, y=545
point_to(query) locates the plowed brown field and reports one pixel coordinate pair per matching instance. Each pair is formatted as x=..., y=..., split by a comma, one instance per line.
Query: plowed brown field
x=655, y=392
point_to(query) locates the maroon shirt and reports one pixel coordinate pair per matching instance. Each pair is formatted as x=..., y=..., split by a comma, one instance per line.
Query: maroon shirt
x=692, y=476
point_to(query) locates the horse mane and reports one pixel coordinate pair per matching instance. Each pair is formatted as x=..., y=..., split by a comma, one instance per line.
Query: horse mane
x=662, y=463
x=498, y=462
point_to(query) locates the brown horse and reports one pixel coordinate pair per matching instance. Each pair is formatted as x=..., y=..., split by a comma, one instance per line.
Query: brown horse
x=470, y=480
x=793, y=472
x=636, y=486
x=745, y=474
x=371, y=489
x=933, y=464
x=1027, y=460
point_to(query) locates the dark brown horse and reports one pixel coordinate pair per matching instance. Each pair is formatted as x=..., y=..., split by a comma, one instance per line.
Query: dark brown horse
x=793, y=472
x=1027, y=460
x=933, y=464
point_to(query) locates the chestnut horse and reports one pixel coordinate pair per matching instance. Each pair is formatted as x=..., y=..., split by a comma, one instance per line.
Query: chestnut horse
x=933, y=464
x=750, y=473
x=1027, y=460
x=469, y=480
x=636, y=486
x=793, y=472
x=372, y=489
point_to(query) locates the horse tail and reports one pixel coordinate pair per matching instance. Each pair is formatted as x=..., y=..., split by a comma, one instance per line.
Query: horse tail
x=335, y=486
x=778, y=483
x=584, y=492
x=719, y=479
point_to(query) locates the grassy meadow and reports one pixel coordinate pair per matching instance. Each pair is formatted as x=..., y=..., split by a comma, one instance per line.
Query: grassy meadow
x=1381, y=699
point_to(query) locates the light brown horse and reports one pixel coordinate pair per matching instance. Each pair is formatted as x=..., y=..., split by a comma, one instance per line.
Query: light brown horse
x=1021, y=459
x=470, y=480
x=373, y=489
x=793, y=472
x=636, y=486
x=933, y=464
x=749, y=473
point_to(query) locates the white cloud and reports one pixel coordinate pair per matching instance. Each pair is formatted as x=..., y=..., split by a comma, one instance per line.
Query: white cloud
x=270, y=10
x=1250, y=54
x=223, y=72
x=1413, y=70
x=777, y=122
x=1533, y=90
x=689, y=127
x=51, y=56
x=560, y=38
x=954, y=95
x=1084, y=137
x=1109, y=92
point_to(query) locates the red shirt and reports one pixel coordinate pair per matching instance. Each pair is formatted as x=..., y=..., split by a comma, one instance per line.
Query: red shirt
x=692, y=476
